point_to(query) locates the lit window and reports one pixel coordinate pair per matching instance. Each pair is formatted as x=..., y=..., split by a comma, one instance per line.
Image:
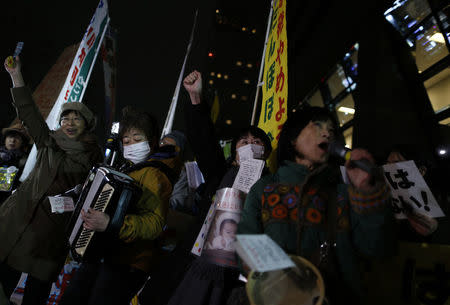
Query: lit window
x=428, y=45
x=249, y=65
x=225, y=76
x=219, y=75
x=239, y=63
x=403, y=15
x=246, y=81
x=345, y=109
x=348, y=133
x=228, y=122
x=210, y=54
x=254, y=31
x=244, y=29
x=445, y=122
x=244, y=98
x=212, y=74
x=233, y=96
x=315, y=99
x=217, y=11
x=337, y=81
x=211, y=82
x=438, y=90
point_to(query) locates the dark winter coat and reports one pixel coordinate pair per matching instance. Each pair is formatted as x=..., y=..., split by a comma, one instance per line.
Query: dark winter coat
x=32, y=238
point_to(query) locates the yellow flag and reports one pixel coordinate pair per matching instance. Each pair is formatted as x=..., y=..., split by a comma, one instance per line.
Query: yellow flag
x=275, y=79
x=215, y=109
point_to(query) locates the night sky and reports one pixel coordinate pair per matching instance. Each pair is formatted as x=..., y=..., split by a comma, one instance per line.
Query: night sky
x=152, y=44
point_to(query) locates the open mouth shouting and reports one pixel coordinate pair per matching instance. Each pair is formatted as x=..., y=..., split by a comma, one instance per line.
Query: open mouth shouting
x=71, y=132
x=324, y=146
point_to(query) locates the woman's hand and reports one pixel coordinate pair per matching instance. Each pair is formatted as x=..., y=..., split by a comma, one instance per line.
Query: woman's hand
x=360, y=179
x=13, y=67
x=95, y=220
x=193, y=84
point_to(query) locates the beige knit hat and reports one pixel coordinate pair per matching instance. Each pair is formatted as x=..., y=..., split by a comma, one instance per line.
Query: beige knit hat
x=83, y=110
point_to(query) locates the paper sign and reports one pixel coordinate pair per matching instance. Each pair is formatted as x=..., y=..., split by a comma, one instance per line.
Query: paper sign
x=250, y=151
x=261, y=253
x=200, y=241
x=249, y=172
x=194, y=175
x=61, y=204
x=219, y=245
x=408, y=186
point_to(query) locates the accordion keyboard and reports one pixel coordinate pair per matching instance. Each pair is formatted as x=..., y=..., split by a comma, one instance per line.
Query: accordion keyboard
x=100, y=205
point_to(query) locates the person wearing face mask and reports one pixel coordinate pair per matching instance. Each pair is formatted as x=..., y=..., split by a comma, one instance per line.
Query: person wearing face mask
x=118, y=275
x=205, y=282
x=33, y=239
x=311, y=212
x=180, y=265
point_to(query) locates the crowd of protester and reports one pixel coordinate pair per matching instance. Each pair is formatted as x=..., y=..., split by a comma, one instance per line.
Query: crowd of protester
x=328, y=222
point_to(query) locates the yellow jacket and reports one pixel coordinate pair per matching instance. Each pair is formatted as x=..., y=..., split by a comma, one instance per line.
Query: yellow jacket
x=145, y=220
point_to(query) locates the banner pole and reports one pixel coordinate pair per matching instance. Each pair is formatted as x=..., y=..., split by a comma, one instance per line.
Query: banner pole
x=173, y=105
x=261, y=68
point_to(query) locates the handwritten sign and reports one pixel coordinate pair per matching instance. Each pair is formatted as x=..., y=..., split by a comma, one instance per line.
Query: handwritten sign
x=408, y=187
x=249, y=172
x=250, y=151
x=61, y=204
x=261, y=253
x=194, y=175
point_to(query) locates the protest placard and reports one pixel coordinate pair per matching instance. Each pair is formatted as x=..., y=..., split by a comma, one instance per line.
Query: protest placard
x=409, y=188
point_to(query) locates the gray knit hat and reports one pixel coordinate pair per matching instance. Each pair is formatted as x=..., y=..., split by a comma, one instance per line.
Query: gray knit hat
x=83, y=110
x=179, y=138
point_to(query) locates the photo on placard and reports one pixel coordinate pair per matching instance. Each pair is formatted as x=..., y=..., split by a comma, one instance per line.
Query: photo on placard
x=219, y=246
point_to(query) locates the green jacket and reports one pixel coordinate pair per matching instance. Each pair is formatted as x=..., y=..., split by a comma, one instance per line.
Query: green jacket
x=277, y=203
x=32, y=239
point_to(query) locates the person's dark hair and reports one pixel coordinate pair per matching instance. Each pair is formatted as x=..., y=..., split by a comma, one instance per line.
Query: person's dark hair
x=13, y=133
x=69, y=111
x=257, y=133
x=294, y=125
x=132, y=118
x=225, y=221
x=411, y=152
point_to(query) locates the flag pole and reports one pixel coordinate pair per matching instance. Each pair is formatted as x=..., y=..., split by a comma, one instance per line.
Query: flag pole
x=261, y=68
x=173, y=105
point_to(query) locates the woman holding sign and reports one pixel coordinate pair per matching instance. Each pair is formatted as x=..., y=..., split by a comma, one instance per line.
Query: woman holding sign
x=308, y=211
x=33, y=238
x=202, y=282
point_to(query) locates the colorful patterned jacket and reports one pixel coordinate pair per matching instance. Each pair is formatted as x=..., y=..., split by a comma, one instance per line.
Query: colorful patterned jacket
x=365, y=222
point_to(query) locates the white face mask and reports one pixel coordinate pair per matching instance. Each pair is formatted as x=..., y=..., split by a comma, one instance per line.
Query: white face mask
x=136, y=153
x=250, y=151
